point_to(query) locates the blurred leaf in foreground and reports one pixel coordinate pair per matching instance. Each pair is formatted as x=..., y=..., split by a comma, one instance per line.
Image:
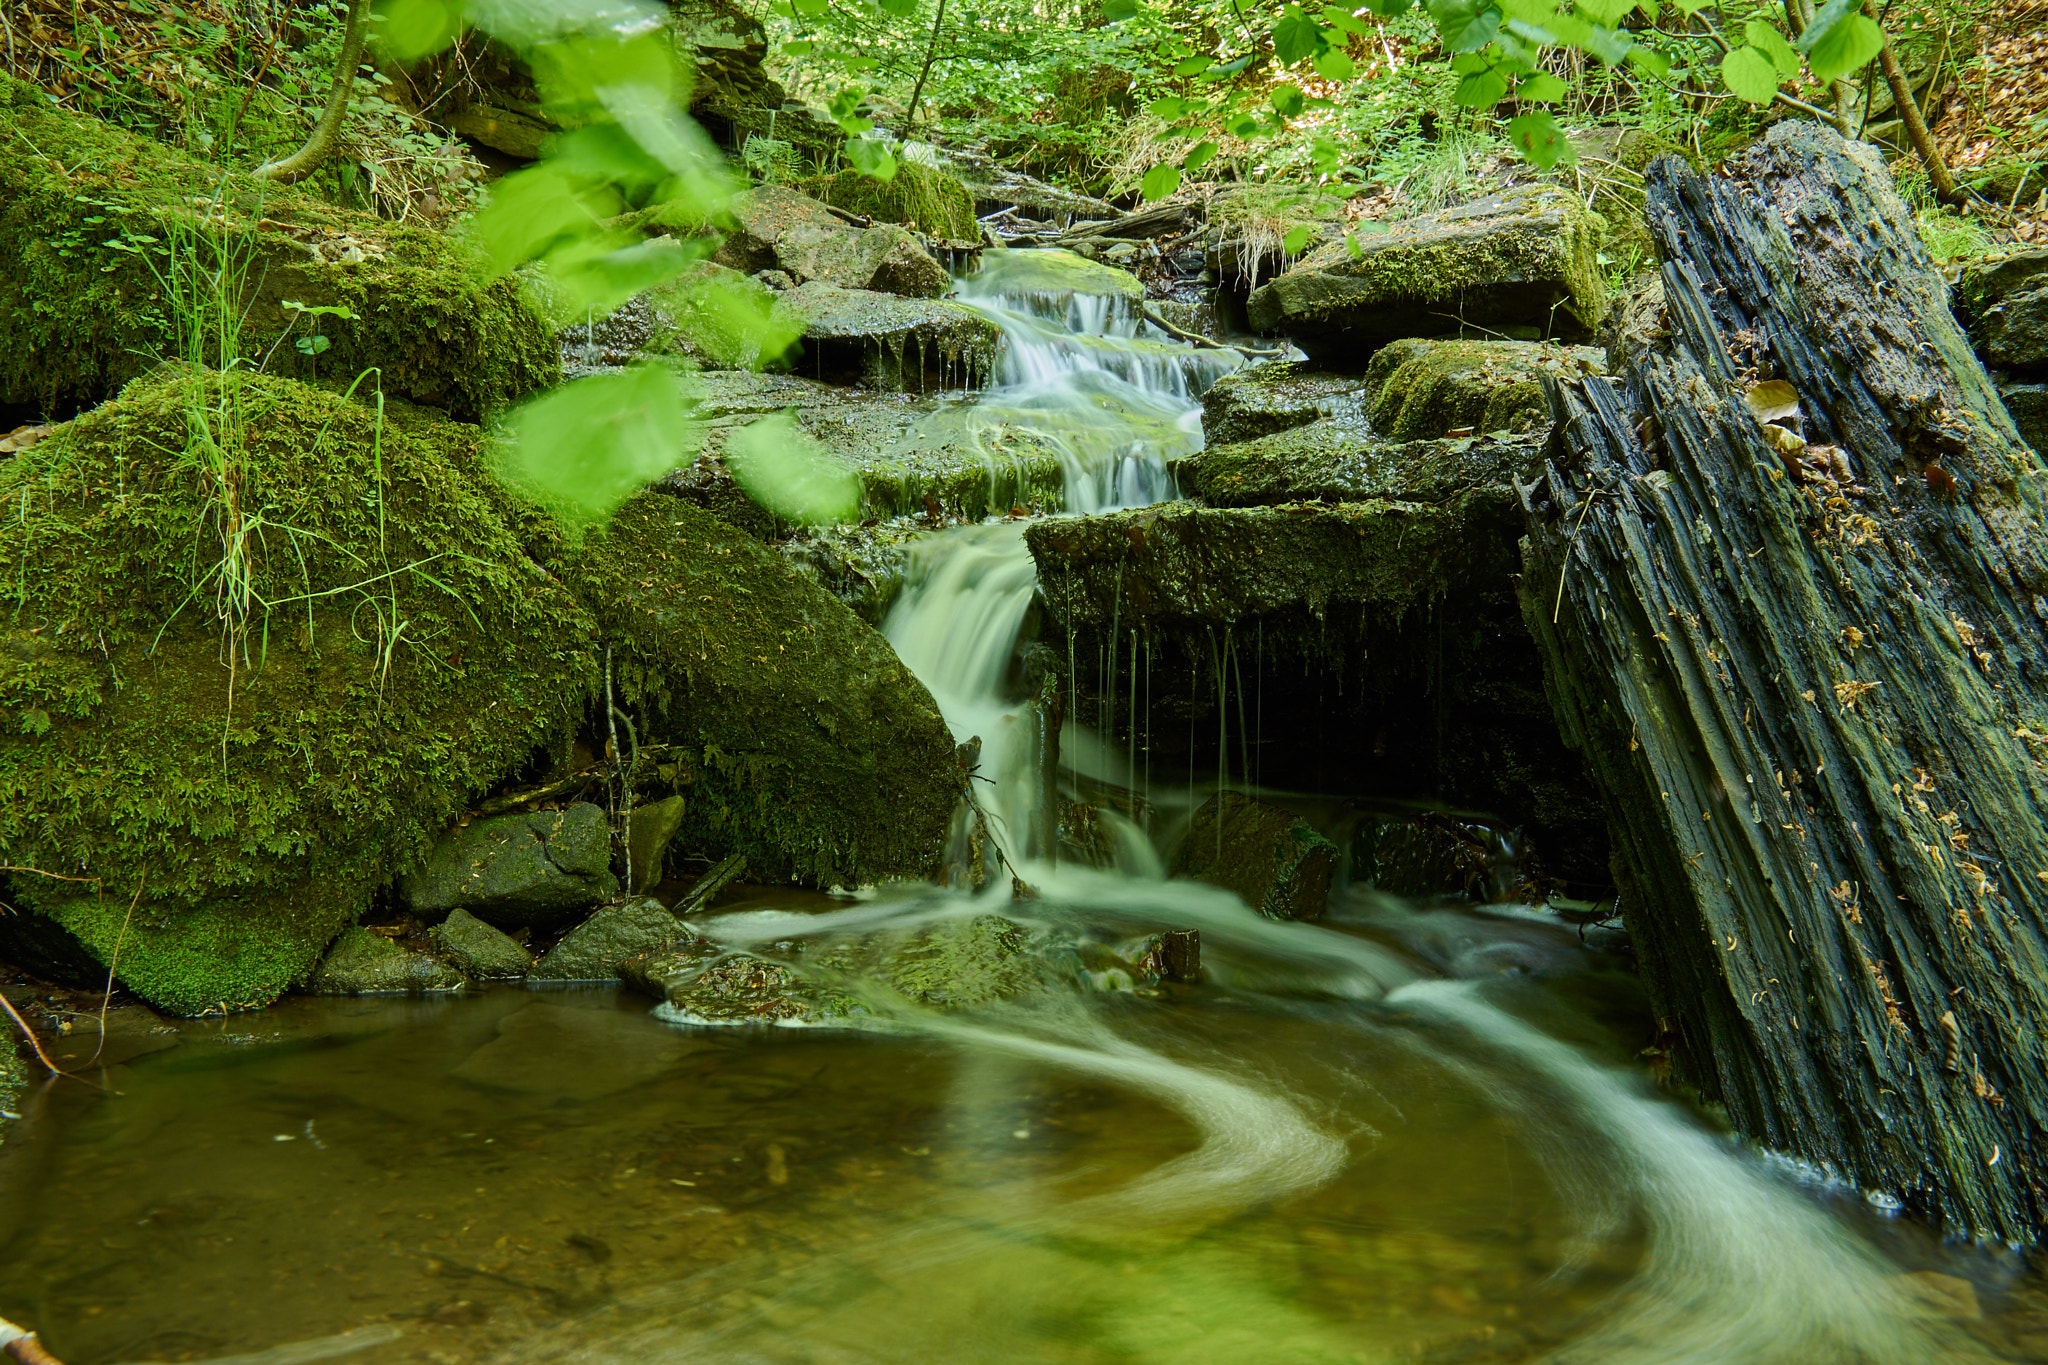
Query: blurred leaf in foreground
x=581, y=450
x=790, y=474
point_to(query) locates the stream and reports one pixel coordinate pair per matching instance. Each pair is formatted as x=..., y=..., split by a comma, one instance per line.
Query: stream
x=1405, y=1133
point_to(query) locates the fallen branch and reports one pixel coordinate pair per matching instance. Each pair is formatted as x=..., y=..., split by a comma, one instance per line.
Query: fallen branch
x=711, y=883
x=33, y=1042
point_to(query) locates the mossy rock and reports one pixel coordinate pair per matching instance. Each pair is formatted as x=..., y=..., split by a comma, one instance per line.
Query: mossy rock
x=758, y=220
x=594, y=949
x=2028, y=404
x=883, y=257
x=86, y=210
x=917, y=196
x=1421, y=389
x=1524, y=262
x=1051, y=278
x=249, y=795
x=860, y=336
x=533, y=867
x=1259, y=400
x=794, y=732
x=1343, y=459
x=2005, y=304
x=479, y=950
x=363, y=962
x=1273, y=860
x=1186, y=569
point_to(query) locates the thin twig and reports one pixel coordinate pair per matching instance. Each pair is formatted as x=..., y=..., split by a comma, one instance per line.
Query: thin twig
x=108, y=997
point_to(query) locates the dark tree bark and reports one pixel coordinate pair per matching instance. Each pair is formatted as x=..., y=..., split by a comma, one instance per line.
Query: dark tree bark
x=1810, y=683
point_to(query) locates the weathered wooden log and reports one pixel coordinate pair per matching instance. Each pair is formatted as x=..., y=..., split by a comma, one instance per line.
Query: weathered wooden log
x=1808, y=676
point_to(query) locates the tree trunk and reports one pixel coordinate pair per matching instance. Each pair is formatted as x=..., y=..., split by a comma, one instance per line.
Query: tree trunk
x=320, y=143
x=1810, y=685
x=1909, y=115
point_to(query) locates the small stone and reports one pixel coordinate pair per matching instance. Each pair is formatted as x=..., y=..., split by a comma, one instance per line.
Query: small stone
x=479, y=949
x=651, y=829
x=537, y=867
x=364, y=962
x=1274, y=860
x=593, y=950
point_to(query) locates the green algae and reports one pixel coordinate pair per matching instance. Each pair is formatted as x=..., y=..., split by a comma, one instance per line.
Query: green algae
x=246, y=797
x=918, y=196
x=87, y=210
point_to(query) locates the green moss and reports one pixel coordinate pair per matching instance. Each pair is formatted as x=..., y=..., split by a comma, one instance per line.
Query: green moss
x=918, y=196
x=797, y=736
x=249, y=801
x=1422, y=389
x=1259, y=400
x=12, y=1075
x=86, y=210
x=1342, y=459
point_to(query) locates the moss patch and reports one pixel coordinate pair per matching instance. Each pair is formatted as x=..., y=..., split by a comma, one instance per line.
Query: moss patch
x=1422, y=389
x=798, y=737
x=1341, y=459
x=917, y=196
x=1259, y=400
x=249, y=811
x=86, y=209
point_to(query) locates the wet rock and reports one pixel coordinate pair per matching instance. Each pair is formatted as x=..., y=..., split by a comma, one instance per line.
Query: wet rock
x=2028, y=404
x=594, y=949
x=1053, y=278
x=656, y=971
x=859, y=336
x=884, y=257
x=1259, y=400
x=362, y=962
x=480, y=950
x=1272, y=859
x=1522, y=262
x=761, y=218
x=553, y=1049
x=1424, y=389
x=1424, y=856
x=739, y=988
x=1344, y=459
x=2005, y=305
x=536, y=867
x=1175, y=955
x=1180, y=566
x=917, y=196
x=649, y=832
x=794, y=733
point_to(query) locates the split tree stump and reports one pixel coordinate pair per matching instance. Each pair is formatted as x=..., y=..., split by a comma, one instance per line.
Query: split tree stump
x=1811, y=681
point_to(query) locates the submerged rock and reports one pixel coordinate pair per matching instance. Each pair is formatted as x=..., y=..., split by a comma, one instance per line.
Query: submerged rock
x=82, y=215
x=1423, y=389
x=479, y=949
x=363, y=962
x=859, y=336
x=2005, y=304
x=593, y=950
x=1272, y=859
x=1522, y=262
x=1259, y=400
x=537, y=867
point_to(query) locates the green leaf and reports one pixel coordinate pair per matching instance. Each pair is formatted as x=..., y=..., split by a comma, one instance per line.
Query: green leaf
x=1288, y=101
x=418, y=28
x=1345, y=21
x=810, y=9
x=1537, y=137
x=1829, y=15
x=1295, y=240
x=902, y=9
x=583, y=448
x=1168, y=107
x=1333, y=65
x=1230, y=68
x=1464, y=25
x=1351, y=244
x=871, y=158
x=1610, y=45
x=1325, y=156
x=1541, y=88
x=1772, y=44
x=1481, y=90
x=1649, y=60
x=1159, y=182
x=1296, y=38
x=1198, y=157
x=1242, y=125
x=601, y=272
x=1389, y=9
x=1690, y=7
x=1751, y=74
x=1193, y=66
x=1607, y=13
x=1849, y=47
x=798, y=48
x=1116, y=11
x=784, y=469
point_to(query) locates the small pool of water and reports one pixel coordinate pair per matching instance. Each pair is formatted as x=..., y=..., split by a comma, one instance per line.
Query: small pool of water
x=1333, y=1150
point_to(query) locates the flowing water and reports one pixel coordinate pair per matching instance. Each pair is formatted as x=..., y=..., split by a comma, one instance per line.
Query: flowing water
x=1403, y=1134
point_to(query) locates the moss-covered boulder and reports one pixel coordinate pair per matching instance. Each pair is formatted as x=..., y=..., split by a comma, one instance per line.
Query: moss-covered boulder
x=794, y=732
x=759, y=218
x=2005, y=304
x=860, y=336
x=535, y=867
x=1344, y=460
x=88, y=216
x=1522, y=263
x=1421, y=389
x=773, y=228
x=363, y=962
x=1272, y=859
x=2028, y=404
x=244, y=704
x=918, y=196
x=479, y=950
x=593, y=950
x=1259, y=400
